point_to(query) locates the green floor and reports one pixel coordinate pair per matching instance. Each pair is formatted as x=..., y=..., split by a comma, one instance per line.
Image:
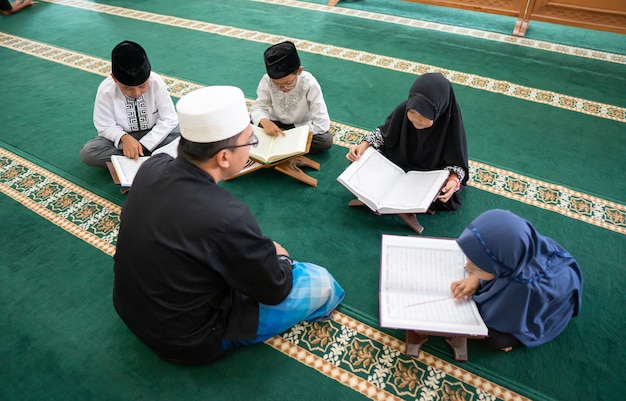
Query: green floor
x=61, y=338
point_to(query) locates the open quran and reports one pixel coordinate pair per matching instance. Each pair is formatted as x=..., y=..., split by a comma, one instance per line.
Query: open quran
x=387, y=189
x=415, y=278
x=275, y=148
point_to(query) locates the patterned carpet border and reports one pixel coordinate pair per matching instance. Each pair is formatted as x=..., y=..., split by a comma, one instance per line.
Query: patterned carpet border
x=505, y=88
x=375, y=365
x=79, y=212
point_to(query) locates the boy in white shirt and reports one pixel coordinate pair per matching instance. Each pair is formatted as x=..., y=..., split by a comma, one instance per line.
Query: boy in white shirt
x=133, y=112
x=289, y=97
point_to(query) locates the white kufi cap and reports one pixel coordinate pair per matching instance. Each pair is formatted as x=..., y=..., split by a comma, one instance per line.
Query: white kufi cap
x=212, y=114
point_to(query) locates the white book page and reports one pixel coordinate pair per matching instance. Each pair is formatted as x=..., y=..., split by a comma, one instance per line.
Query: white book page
x=416, y=273
x=294, y=141
x=170, y=149
x=265, y=143
x=415, y=190
x=127, y=168
x=370, y=177
x=441, y=315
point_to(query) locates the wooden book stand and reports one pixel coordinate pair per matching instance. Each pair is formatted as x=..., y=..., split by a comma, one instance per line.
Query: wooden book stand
x=458, y=343
x=289, y=166
x=409, y=218
x=116, y=179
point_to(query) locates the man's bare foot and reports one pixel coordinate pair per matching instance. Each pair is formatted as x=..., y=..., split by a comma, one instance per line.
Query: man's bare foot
x=507, y=349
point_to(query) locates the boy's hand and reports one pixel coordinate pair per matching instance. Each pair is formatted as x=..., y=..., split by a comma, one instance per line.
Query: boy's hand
x=356, y=151
x=131, y=147
x=270, y=127
x=463, y=289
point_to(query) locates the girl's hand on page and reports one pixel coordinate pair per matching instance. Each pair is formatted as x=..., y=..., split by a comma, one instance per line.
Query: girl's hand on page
x=356, y=151
x=464, y=289
x=447, y=191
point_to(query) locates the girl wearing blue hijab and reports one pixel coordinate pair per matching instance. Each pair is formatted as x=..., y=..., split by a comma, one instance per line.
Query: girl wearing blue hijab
x=527, y=287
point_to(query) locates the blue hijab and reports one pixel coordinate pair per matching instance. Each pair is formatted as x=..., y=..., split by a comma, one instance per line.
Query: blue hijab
x=537, y=285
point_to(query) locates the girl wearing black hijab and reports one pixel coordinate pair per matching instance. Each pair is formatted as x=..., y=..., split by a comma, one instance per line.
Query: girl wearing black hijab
x=425, y=132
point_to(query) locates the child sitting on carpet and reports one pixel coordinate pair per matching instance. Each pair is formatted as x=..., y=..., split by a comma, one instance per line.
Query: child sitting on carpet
x=133, y=113
x=527, y=287
x=425, y=132
x=288, y=97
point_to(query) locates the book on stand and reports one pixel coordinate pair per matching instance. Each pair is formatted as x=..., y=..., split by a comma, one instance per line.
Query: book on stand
x=387, y=189
x=275, y=148
x=415, y=278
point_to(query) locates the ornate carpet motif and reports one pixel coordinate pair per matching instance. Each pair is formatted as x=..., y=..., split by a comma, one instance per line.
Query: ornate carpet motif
x=482, y=83
x=374, y=364
x=344, y=349
x=457, y=30
x=79, y=212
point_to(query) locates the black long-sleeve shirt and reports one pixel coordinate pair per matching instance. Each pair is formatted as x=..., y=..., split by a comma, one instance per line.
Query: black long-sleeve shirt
x=191, y=263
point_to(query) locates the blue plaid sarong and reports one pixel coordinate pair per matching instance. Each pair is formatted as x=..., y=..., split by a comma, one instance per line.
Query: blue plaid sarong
x=313, y=297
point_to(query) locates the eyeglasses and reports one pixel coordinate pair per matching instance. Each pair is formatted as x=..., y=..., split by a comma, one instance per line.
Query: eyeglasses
x=254, y=142
x=290, y=85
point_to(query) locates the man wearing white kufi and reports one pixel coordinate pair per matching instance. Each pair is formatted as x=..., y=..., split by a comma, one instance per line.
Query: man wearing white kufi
x=194, y=275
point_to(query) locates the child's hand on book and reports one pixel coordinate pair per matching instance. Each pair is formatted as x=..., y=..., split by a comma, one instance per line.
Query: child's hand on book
x=446, y=191
x=131, y=147
x=464, y=289
x=356, y=151
x=270, y=127
x=452, y=185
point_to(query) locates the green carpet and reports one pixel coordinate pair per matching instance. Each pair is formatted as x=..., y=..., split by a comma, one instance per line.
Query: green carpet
x=545, y=122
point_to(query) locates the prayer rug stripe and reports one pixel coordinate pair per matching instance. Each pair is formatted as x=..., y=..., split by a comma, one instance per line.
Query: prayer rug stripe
x=456, y=30
x=505, y=88
x=81, y=213
x=553, y=197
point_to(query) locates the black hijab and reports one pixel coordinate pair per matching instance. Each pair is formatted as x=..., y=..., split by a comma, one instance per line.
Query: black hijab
x=432, y=148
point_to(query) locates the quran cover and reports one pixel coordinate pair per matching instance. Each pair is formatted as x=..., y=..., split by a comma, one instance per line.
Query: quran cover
x=415, y=278
x=275, y=148
x=387, y=189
